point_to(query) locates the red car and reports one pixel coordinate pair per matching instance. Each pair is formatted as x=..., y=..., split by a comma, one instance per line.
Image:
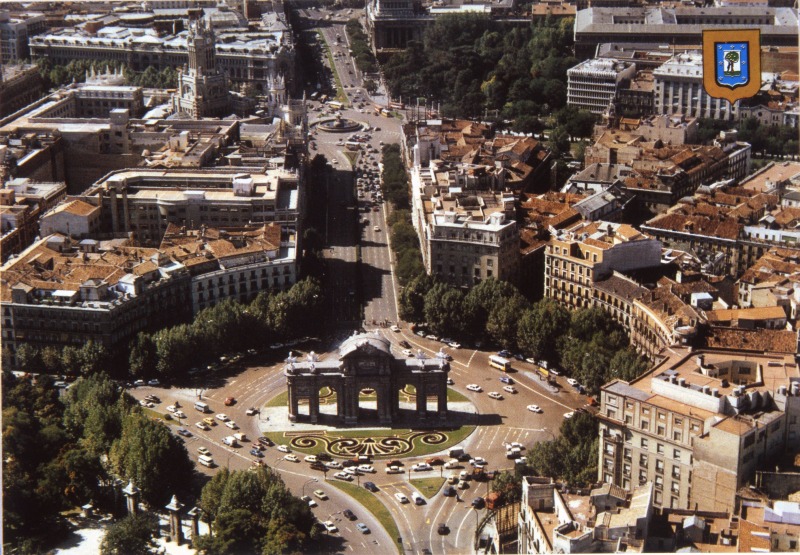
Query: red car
x=229, y=401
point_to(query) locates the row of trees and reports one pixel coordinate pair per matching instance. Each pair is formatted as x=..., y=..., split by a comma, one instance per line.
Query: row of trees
x=588, y=344
x=360, y=48
x=64, y=452
x=226, y=327
x=775, y=140
x=57, y=75
x=405, y=243
x=394, y=177
x=473, y=64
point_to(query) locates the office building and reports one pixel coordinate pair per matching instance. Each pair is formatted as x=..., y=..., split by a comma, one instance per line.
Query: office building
x=593, y=85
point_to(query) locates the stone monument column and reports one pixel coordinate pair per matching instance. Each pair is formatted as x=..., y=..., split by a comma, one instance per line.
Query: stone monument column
x=175, y=529
x=131, y=498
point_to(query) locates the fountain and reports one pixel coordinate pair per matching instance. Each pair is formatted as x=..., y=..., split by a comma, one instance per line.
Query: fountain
x=339, y=125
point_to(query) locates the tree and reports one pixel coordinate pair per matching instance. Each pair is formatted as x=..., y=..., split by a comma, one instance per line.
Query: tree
x=29, y=358
x=371, y=86
x=540, y=328
x=572, y=456
x=509, y=485
x=156, y=460
x=93, y=413
x=143, y=359
x=412, y=298
x=503, y=319
x=133, y=535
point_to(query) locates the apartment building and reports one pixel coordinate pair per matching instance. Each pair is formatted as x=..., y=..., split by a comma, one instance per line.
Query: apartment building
x=15, y=31
x=20, y=85
x=22, y=202
x=678, y=89
x=145, y=202
x=698, y=425
x=593, y=85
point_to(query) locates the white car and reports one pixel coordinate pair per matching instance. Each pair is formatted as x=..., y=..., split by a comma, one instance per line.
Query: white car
x=395, y=328
x=343, y=476
x=376, y=228
x=454, y=344
x=474, y=387
x=251, y=411
x=352, y=471
x=573, y=382
x=530, y=360
x=171, y=408
x=311, y=502
x=203, y=426
x=495, y=395
x=516, y=445
x=232, y=425
x=568, y=415
x=407, y=352
x=330, y=526
x=478, y=461
x=509, y=388
x=292, y=458
x=283, y=449
x=204, y=451
x=534, y=408
x=366, y=468
x=222, y=417
x=333, y=464
x=394, y=470
x=179, y=414
x=400, y=497
x=420, y=467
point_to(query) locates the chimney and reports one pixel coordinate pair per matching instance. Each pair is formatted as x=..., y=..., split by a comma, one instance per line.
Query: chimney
x=700, y=360
x=715, y=392
x=682, y=382
x=706, y=389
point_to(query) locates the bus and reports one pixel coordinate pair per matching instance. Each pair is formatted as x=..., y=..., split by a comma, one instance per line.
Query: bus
x=500, y=363
x=335, y=104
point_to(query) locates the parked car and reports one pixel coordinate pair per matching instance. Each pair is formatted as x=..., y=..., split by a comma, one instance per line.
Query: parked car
x=179, y=414
x=154, y=383
x=202, y=425
x=232, y=425
x=478, y=503
x=509, y=389
x=366, y=468
x=568, y=415
x=505, y=354
x=203, y=451
x=343, y=476
x=291, y=458
x=209, y=421
x=573, y=382
x=184, y=432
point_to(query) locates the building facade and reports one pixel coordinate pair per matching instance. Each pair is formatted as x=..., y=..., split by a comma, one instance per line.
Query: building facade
x=678, y=89
x=593, y=85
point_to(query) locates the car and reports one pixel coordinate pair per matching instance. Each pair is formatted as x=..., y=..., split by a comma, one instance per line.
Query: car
x=519, y=357
x=256, y=452
x=394, y=470
x=310, y=458
x=330, y=526
x=179, y=414
x=420, y=333
x=506, y=379
x=350, y=515
x=319, y=494
x=284, y=449
x=363, y=528
x=452, y=479
x=222, y=417
x=505, y=354
x=263, y=440
x=534, y=408
x=452, y=463
x=291, y=458
x=407, y=353
x=255, y=445
x=449, y=491
x=333, y=464
x=171, y=408
x=436, y=461
x=371, y=486
x=450, y=381
x=554, y=372
x=478, y=503
x=516, y=445
x=420, y=467
x=204, y=451
x=454, y=344
x=352, y=471
x=251, y=411
x=139, y=383
x=509, y=388
x=230, y=401
x=573, y=382
x=142, y=402
x=395, y=328
x=531, y=360
x=276, y=346
x=432, y=337
x=495, y=395
x=442, y=529
x=418, y=499
x=318, y=466
x=307, y=499
x=184, y=432
x=209, y=421
x=152, y=399
x=366, y=468
x=463, y=484
x=154, y=382
x=232, y=425
x=568, y=415
x=376, y=209
x=376, y=228
x=401, y=497
x=343, y=476
x=203, y=426
x=477, y=461
x=405, y=344
x=474, y=387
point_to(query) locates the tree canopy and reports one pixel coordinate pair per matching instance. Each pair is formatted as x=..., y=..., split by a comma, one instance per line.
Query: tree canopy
x=572, y=456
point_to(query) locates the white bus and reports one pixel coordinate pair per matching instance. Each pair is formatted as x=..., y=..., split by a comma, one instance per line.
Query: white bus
x=335, y=104
x=202, y=407
x=500, y=363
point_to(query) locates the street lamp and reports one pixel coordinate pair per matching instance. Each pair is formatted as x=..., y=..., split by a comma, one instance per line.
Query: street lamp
x=303, y=490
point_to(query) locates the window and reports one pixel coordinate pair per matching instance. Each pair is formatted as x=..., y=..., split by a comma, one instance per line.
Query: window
x=661, y=430
x=676, y=454
x=660, y=466
x=676, y=472
x=659, y=482
x=645, y=425
x=660, y=448
x=645, y=411
x=643, y=461
x=677, y=435
x=644, y=443
x=676, y=487
x=611, y=400
x=662, y=416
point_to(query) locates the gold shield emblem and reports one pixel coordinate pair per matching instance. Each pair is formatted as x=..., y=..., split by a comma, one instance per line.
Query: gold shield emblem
x=732, y=63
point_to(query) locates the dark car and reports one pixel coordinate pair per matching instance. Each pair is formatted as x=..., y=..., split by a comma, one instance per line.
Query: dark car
x=478, y=503
x=349, y=514
x=324, y=457
x=519, y=356
x=464, y=457
x=442, y=529
x=449, y=491
x=394, y=463
x=256, y=453
x=405, y=344
x=504, y=353
x=506, y=379
x=347, y=463
x=184, y=432
x=263, y=440
x=371, y=486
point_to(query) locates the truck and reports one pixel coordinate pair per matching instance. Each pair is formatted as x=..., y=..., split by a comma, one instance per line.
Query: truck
x=230, y=441
x=456, y=452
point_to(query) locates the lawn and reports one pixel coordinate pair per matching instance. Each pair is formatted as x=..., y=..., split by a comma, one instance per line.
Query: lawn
x=279, y=400
x=453, y=396
x=340, y=94
x=419, y=448
x=161, y=415
x=372, y=504
x=428, y=486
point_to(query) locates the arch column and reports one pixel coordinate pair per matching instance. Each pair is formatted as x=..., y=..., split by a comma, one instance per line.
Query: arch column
x=292, y=401
x=442, y=399
x=313, y=403
x=422, y=399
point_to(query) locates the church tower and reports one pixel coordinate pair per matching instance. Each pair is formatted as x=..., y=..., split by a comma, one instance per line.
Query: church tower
x=202, y=88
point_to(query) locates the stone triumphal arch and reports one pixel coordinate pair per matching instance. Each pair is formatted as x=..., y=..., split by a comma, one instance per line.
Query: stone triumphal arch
x=365, y=361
